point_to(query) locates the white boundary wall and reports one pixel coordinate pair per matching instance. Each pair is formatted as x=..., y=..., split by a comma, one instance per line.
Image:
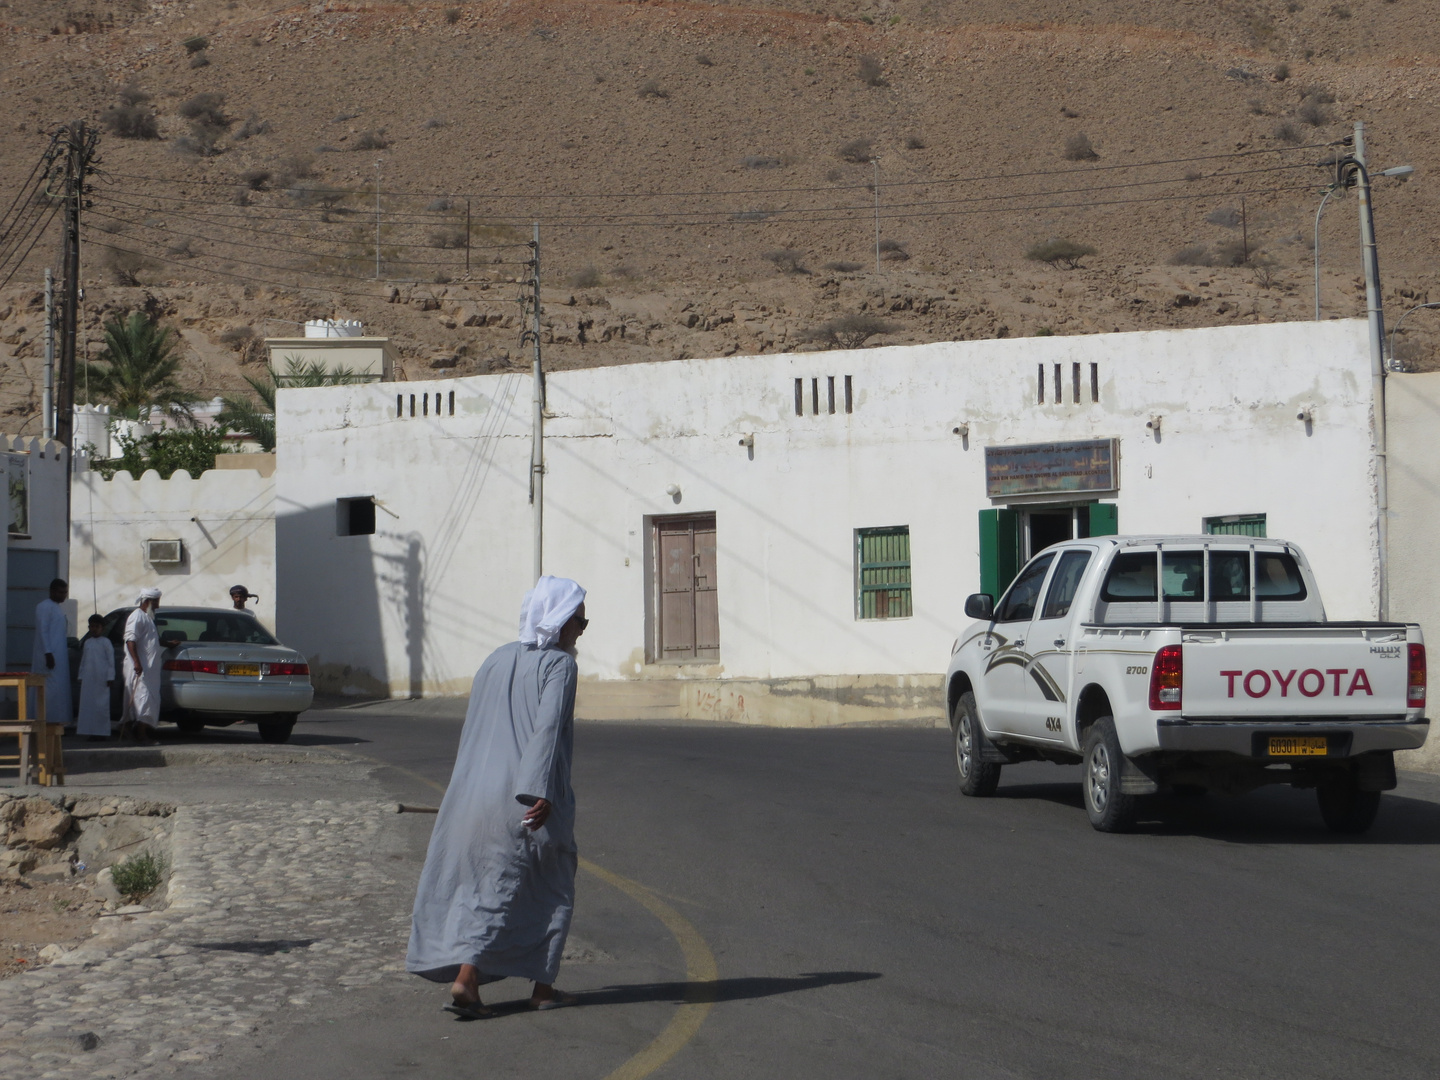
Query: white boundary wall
x=416, y=607
x=226, y=519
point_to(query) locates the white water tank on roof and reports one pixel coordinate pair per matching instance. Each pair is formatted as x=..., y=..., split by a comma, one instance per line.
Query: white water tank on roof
x=92, y=428
x=333, y=328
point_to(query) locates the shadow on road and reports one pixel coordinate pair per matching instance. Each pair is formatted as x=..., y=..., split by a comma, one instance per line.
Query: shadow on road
x=720, y=989
x=1276, y=815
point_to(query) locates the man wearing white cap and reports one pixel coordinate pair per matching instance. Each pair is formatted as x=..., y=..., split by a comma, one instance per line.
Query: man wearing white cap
x=498, y=888
x=142, y=668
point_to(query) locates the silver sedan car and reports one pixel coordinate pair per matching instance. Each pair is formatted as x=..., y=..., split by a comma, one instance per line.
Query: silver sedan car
x=220, y=667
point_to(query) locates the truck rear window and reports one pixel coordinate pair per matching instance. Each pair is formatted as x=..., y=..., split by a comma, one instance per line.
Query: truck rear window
x=1131, y=579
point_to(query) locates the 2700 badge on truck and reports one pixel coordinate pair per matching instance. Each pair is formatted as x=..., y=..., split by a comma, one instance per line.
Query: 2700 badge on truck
x=1184, y=664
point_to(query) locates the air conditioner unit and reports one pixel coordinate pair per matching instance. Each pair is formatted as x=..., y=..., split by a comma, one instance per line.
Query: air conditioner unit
x=164, y=552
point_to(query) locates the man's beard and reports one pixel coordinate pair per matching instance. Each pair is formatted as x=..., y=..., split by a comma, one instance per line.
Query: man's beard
x=570, y=651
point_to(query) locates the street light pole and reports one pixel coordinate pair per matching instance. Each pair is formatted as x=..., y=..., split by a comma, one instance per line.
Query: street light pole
x=1375, y=317
x=1321, y=210
x=1390, y=350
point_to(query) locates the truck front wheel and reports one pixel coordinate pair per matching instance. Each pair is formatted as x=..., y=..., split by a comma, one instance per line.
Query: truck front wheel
x=978, y=778
x=1109, y=809
x=1345, y=808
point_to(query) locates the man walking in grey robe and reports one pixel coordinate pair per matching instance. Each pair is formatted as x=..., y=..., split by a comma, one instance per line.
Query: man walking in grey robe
x=498, y=888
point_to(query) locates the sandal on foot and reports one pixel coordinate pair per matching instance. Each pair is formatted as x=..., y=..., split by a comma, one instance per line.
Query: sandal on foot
x=469, y=1010
x=559, y=1001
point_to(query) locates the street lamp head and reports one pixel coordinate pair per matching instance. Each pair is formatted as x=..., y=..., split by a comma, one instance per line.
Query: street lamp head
x=1398, y=170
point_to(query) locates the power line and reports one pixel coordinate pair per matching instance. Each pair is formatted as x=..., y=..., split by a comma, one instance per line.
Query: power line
x=773, y=190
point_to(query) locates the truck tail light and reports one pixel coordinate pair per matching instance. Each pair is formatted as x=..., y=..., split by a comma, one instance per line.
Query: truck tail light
x=286, y=669
x=1415, y=685
x=202, y=667
x=1167, y=678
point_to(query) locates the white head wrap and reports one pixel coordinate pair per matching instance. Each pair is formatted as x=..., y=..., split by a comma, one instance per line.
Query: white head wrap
x=546, y=608
x=151, y=593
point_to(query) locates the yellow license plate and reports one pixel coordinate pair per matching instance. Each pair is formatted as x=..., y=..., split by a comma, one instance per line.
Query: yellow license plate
x=254, y=669
x=1296, y=746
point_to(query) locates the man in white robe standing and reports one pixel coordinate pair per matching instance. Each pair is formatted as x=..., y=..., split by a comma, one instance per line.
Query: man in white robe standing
x=498, y=888
x=142, y=669
x=51, y=655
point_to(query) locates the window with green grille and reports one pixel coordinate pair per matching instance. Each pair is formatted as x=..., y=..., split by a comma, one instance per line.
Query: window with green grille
x=1236, y=525
x=884, y=572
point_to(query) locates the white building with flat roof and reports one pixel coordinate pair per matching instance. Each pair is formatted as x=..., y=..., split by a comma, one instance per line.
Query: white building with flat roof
x=790, y=538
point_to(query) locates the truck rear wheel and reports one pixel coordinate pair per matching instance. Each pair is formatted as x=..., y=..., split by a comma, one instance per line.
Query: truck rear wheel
x=1109, y=809
x=1345, y=808
x=977, y=777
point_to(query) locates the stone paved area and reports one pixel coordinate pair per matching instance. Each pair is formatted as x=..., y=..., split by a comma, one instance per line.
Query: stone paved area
x=271, y=906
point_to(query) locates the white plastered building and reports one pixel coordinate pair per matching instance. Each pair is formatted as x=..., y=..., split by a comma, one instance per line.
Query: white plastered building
x=726, y=515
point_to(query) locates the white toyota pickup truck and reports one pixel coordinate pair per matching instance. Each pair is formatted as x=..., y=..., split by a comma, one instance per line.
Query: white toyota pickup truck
x=1183, y=664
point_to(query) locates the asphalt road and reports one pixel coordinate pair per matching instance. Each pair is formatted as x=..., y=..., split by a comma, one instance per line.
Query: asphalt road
x=868, y=921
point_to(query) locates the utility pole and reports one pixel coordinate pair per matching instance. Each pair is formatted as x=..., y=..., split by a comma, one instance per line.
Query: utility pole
x=47, y=394
x=537, y=379
x=1376, y=318
x=79, y=157
x=467, y=238
x=876, y=162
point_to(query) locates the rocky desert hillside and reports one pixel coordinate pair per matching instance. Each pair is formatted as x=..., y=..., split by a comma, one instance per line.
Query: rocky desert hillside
x=705, y=174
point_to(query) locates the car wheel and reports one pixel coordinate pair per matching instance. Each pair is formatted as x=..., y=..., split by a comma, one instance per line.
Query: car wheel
x=189, y=725
x=1110, y=810
x=1345, y=808
x=276, y=729
x=977, y=778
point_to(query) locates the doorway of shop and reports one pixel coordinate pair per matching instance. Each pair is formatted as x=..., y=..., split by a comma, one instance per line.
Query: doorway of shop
x=1010, y=537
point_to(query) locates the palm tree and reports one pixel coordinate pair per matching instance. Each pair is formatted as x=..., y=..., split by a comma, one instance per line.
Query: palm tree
x=245, y=416
x=137, y=369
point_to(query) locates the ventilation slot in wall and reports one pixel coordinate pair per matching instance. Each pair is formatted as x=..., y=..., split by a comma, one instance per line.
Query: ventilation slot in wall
x=1057, y=386
x=828, y=402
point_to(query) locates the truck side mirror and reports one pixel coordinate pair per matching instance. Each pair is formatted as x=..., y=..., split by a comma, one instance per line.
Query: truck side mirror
x=980, y=606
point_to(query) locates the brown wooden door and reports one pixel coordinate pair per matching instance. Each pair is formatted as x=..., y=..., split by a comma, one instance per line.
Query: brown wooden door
x=688, y=626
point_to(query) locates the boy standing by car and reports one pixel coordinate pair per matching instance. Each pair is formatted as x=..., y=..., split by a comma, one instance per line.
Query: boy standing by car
x=97, y=672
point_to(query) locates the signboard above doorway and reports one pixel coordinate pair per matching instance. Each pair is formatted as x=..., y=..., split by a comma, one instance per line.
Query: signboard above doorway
x=1059, y=468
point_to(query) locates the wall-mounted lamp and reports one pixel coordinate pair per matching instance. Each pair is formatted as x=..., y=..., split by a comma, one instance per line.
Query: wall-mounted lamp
x=1153, y=424
x=748, y=441
x=674, y=492
x=963, y=430
x=1306, y=414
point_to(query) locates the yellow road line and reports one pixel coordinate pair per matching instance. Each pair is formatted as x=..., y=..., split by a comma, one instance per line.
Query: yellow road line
x=701, y=973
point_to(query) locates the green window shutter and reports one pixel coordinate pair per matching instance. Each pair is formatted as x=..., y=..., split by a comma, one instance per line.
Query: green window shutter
x=1237, y=525
x=999, y=549
x=1104, y=519
x=884, y=587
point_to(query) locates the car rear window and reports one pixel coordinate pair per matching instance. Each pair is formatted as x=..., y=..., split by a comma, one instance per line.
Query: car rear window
x=1277, y=577
x=220, y=627
x=1132, y=576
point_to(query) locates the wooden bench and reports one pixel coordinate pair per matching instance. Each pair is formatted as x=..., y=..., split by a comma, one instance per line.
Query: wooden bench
x=41, y=758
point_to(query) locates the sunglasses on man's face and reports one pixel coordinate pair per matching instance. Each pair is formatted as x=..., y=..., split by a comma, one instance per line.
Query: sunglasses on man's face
x=584, y=622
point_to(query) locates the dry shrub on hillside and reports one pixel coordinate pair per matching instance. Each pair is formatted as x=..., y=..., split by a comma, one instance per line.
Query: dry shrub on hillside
x=255, y=179
x=200, y=60
x=1063, y=254
x=133, y=117
x=1226, y=216
x=179, y=249
x=652, y=89
x=371, y=140
x=208, y=122
x=126, y=267
x=447, y=236
x=914, y=142
x=870, y=71
x=439, y=206
x=1235, y=252
x=1312, y=113
x=843, y=267
x=452, y=15
x=761, y=161
x=1282, y=72
x=893, y=251
x=196, y=44
x=588, y=278
x=293, y=167
x=1078, y=148
x=252, y=126
x=1287, y=132
x=858, y=150
x=704, y=61
x=787, y=260
x=236, y=335
x=1192, y=255
x=848, y=331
